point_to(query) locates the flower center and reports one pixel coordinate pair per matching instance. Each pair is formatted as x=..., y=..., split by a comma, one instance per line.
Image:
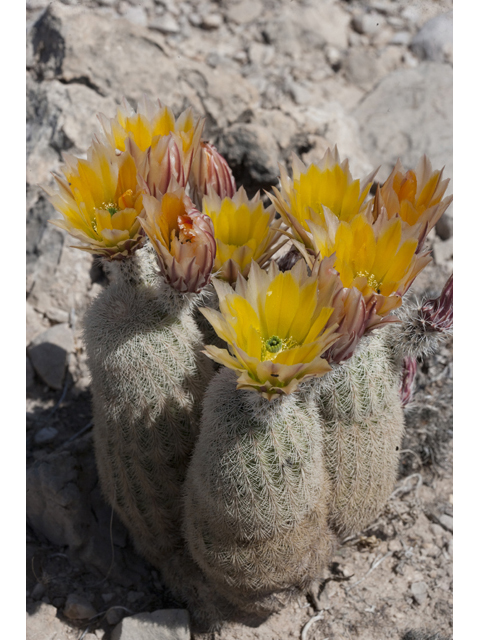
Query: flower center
x=274, y=345
x=111, y=207
x=371, y=280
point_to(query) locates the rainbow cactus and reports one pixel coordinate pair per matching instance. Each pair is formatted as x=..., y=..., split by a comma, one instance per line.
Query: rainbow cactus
x=237, y=484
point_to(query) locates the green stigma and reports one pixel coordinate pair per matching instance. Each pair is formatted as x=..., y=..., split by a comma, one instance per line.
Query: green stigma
x=110, y=207
x=273, y=344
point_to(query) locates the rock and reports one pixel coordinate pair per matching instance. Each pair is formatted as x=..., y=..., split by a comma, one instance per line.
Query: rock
x=136, y=15
x=165, y=24
x=107, y=597
x=444, y=227
x=30, y=375
x=447, y=522
x=443, y=252
x=245, y=11
x=434, y=41
x=409, y=113
x=114, y=615
x=38, y=591
x=419, y=591
x=251, y=152
x=45, y=435
x=401, y=38
x=368, y=23
x=43, y=623
x=78, y=608
x=330, y=21
x=164, y=624
x=360, y=67
x=212, y=21
x=48, y=354
x=133, y=596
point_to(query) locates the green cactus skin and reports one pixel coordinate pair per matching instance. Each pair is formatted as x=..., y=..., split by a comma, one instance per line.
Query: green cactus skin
x=256, y=496
x=148, y=379
x=361, y=426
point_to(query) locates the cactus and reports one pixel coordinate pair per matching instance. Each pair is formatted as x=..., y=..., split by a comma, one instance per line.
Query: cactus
x=148, y=379
x=361, y=423
x=257, y=496
x=237, y=486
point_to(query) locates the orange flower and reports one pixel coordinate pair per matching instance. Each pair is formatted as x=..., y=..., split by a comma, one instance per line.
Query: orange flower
x=380, y=259
x=416, y=196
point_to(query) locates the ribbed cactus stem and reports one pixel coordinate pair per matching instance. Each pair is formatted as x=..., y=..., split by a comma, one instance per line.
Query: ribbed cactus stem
x=148, y=379
x=361, y=427
x=256, y=496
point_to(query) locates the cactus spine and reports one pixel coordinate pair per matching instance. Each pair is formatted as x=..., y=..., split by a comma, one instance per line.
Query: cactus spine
x=148, y=378
x=256, y=496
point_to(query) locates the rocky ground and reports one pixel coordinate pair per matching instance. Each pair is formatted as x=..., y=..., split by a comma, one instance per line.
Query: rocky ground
x=271, y=77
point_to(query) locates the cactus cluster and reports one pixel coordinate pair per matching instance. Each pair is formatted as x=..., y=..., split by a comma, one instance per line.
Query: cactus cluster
x=236, y=481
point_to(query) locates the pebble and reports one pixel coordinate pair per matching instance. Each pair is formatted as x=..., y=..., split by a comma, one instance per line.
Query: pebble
x=107, y=597
x=245, y=11
x=165, y=24
x=133, y=596
x=212, y=21
x=447, y=522
x=45, y=435
x=368, y=23
x=78, y=608
x=38, y=591
x=401, y=38
x=444, y=227
x=419, y=591
x=167, y=624
x=360, y=67
x=443, y=251
x=114, y=615
x=136, y=15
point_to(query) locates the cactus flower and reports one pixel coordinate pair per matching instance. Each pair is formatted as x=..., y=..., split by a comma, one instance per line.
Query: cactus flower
x=152, y=120
x=183, y=239
x=380, y=260
x=326, y=184
x=275, y=328
x=244, y=230
x=100, y=200
x=416, y=196
x=161, y=167
x=210, y=170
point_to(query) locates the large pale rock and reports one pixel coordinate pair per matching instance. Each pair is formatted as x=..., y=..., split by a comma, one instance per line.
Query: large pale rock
x=164, y=624
x=42, y=622
x=408, y=114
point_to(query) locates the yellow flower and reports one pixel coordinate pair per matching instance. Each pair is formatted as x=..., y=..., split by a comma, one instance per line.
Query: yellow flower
x=381, y=260
x=416, y=196
x=326, y=185
x=275, y=328
x=244, y=230
x=100, y=201
x=152, y=120
x=210, y=170
x=183, y=239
